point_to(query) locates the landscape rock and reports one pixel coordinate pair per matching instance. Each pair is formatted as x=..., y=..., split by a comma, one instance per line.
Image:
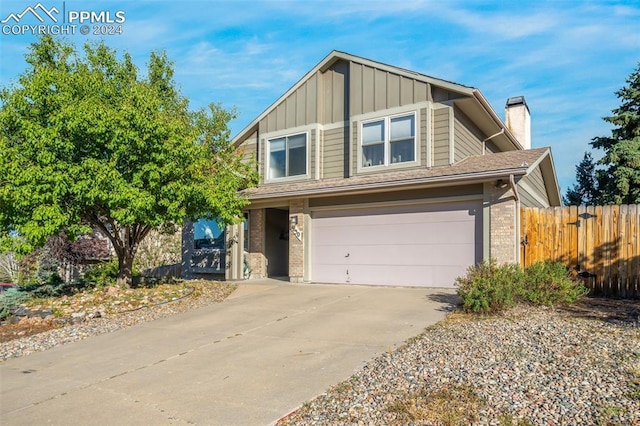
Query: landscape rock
x=533, y=364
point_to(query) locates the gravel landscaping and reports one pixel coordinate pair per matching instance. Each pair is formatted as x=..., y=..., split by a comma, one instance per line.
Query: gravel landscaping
x=532, y=365
x=123, y=309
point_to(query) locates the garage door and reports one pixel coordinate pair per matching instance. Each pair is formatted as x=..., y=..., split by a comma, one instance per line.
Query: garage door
x=427, y=245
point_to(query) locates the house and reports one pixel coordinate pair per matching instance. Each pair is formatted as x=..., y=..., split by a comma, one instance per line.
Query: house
x=373, y=174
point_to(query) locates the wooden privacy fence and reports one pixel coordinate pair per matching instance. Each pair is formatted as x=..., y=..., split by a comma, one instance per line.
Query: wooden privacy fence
x=600, y=243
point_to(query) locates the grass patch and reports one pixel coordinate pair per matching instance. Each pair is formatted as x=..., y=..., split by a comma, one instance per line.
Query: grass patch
x=606, y=412
x=634, y=383
x=454, y=405
x=509, y=420
x=343, y=387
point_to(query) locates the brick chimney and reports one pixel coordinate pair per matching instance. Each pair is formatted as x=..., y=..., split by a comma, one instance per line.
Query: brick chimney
x=518, y=120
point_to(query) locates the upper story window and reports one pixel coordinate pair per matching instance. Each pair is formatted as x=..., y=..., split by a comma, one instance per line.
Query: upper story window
x=288, y=156
x=389, y=140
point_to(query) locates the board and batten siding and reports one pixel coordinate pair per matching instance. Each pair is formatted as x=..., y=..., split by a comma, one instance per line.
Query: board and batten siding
x=441, y=137
x=372, y=89
x=467, y=137
x=333, y=103
x=300, y=108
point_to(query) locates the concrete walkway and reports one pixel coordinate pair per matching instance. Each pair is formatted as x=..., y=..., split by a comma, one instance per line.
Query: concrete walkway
x=264, y=351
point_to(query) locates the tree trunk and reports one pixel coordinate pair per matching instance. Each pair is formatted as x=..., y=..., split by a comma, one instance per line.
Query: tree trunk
x=125, y=269
x=125, y=240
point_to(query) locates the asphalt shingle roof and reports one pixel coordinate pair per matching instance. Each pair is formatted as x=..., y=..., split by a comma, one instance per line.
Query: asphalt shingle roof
x=479, y=166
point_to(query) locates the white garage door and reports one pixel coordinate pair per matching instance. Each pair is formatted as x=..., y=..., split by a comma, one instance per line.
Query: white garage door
x=427, y=245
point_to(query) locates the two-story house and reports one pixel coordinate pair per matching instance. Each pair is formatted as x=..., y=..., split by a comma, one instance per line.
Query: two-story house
x=373, y=174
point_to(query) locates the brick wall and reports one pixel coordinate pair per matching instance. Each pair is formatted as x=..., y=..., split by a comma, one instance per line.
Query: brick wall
x=296, y=245
x=504, y=229
x=257, y=259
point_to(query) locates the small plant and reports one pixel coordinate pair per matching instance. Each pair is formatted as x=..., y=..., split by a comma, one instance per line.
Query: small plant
x=489, y=287
x=10, y=301
x=548, y=283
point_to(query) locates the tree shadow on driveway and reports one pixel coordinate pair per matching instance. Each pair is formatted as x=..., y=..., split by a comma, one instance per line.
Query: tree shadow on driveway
x=449, y=301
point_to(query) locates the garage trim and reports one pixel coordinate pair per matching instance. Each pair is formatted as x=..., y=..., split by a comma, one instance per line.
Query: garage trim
x=400, y=203
x=309, y=273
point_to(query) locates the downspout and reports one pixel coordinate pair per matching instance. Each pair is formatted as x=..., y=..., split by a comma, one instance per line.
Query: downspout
x=512, y=183
x=484, y=142
x=516, y=234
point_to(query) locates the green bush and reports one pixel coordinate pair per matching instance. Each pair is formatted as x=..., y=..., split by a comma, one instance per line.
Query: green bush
x=10, y=300
x=104, y=274
x=548, y=283
x=489, y=287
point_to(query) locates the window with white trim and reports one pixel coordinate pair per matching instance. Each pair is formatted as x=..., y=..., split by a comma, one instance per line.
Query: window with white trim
x=388, y=140
x=288, y=156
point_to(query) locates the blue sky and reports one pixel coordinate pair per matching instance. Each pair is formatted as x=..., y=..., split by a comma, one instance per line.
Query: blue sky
x=566, y=57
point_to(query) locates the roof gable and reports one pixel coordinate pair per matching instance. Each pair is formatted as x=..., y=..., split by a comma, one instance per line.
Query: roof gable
x=329, y=61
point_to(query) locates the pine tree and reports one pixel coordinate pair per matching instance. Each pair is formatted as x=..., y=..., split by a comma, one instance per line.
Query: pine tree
x=585, y=192
x=619, y=179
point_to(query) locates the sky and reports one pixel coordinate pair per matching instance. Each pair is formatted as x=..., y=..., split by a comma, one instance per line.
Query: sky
x=567, y=57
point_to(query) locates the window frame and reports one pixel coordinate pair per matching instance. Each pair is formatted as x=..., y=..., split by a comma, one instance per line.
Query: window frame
x=269, y=140
x=386, y=120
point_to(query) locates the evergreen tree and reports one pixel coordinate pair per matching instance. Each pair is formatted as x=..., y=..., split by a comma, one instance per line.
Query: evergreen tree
x=585, y=192
x=619, y=179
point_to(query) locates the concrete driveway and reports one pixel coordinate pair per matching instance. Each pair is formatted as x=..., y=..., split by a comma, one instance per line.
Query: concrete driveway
x=249, y=360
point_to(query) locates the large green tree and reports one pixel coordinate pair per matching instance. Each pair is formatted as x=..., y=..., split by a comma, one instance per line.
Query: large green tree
x=87, y=141
x=618, y=177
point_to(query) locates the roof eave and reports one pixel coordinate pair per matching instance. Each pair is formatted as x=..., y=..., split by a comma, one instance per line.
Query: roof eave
x=360, y=188
x=497, y=120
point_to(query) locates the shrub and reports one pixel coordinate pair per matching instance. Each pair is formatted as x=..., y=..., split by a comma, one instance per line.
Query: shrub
x=102, y=274
x=489, y=287
x=105, y=273
x=10, y=301
x=549, y=283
